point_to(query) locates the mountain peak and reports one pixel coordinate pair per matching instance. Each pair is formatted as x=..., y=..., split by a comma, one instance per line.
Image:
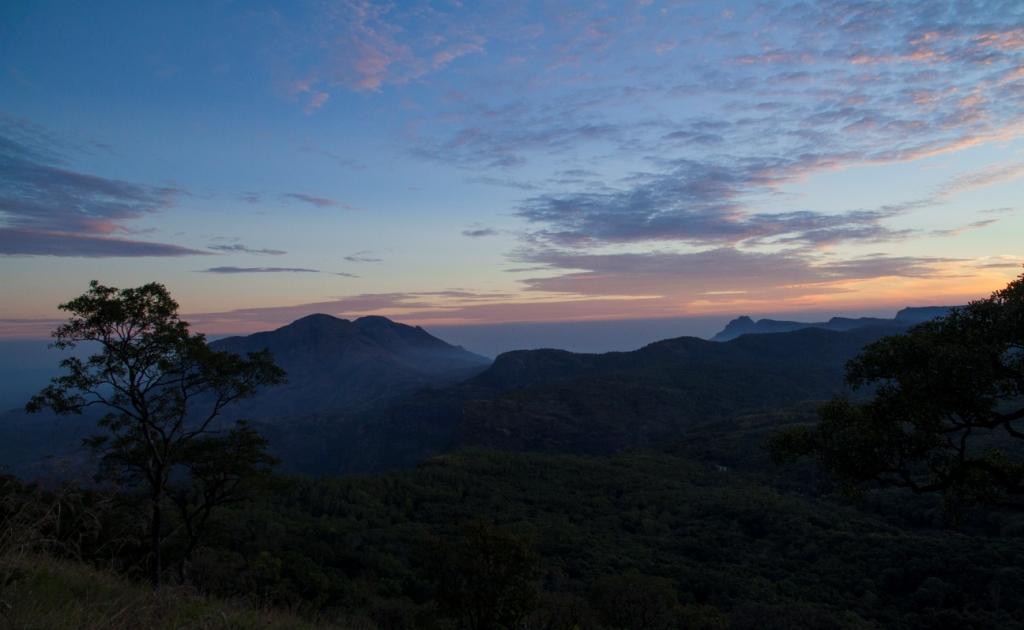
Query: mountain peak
x=366, y=322
x=318, y=319
x=739, y=326
x=378, y=321
x=335, y=365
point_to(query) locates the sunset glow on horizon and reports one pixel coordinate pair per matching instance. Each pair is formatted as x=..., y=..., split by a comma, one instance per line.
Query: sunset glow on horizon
x=477, y=163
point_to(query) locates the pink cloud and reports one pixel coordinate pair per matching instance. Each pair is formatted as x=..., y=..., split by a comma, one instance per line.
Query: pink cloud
x=316, y=102
x=443, y=57
x=364, y=46
x=1009, y=40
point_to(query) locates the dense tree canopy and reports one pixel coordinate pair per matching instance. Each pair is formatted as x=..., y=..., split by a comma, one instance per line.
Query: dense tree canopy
x=947, y=412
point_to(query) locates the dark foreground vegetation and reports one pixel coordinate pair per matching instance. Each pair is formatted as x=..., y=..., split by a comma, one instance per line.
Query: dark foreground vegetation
x=898, y=509
x=543, y=541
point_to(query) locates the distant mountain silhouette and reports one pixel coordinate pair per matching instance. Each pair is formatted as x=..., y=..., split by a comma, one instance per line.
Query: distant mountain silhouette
x=338, y=366
x=372, y=394
x=336, y=369
x=553, y=400
x=904, y=319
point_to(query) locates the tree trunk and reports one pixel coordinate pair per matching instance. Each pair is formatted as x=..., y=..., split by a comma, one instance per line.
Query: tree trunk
x=154, y=542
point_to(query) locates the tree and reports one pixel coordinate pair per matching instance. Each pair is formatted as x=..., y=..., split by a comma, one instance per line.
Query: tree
x=636, y=602
x=219, y=469
x=947, y=412
x=162, y=388
x=488, y=579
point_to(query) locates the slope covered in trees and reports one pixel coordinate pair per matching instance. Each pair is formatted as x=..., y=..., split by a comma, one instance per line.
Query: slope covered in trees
x=557, y=401
x=656, y=504
x=676, y=541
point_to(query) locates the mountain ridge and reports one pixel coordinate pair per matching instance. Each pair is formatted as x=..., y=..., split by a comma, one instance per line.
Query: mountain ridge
x=372, y=394
x=337, y=365
x=559, y=401
x=904, y=318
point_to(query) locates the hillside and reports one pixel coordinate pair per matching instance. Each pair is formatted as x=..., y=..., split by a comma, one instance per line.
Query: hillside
x=708, y=548
x=552, y=400
x=371, y=394
x=336, y=368
x=339, y=366
x=40, y=591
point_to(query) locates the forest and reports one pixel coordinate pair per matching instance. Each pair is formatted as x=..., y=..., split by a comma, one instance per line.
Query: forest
x=894, y=505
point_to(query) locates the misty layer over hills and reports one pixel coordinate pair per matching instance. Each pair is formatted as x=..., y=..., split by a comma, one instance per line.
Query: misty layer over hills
x=372, y=394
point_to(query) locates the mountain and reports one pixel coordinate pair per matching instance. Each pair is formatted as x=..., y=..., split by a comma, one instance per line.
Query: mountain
x=918, y=314
x=558, y=401
x=338, y=366
x=372, y=394
x=904, y=319
x=336, y=370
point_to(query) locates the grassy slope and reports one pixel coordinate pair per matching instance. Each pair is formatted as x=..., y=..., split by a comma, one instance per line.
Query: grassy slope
x=44, y=592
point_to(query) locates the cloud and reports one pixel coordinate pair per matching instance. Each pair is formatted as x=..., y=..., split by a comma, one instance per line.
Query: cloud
x=701, y=203
x=316, y=101
x=31, y=242
x=364, y=256
x=1000, y=262
x=445, y=56
x=504, y=146
x=42, y=196
x=238, y=248
x=504, y=182
x=259, y=270
x=684, y=275
x=235, y=270
x=48, y=209
x=810, y=87
x=587, y=286
x=957, y=231
x=319, y=202
x=347, y=162
x=449, y=307
x=983, y=178
x=364, y=46
x=478, y=232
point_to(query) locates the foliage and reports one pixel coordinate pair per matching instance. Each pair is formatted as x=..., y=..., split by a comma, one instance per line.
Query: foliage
x=684, y=541
x=704, y=534
x=163, y=388
x=718, y=545
x=486, y=577
x=557, y=401
x=44, y=592
x=636, y=602
x=946, y=412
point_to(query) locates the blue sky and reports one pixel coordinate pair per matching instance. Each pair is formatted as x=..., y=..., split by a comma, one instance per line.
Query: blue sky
x=475, y=163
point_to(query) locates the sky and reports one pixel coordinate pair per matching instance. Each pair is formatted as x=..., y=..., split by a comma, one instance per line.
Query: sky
x=470, y=164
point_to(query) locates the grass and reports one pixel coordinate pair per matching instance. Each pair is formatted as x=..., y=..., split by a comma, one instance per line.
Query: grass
x=42, y=592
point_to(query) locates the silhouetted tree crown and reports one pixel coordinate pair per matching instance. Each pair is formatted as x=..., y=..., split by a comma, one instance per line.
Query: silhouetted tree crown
x=162, y=388
x=947, y=409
